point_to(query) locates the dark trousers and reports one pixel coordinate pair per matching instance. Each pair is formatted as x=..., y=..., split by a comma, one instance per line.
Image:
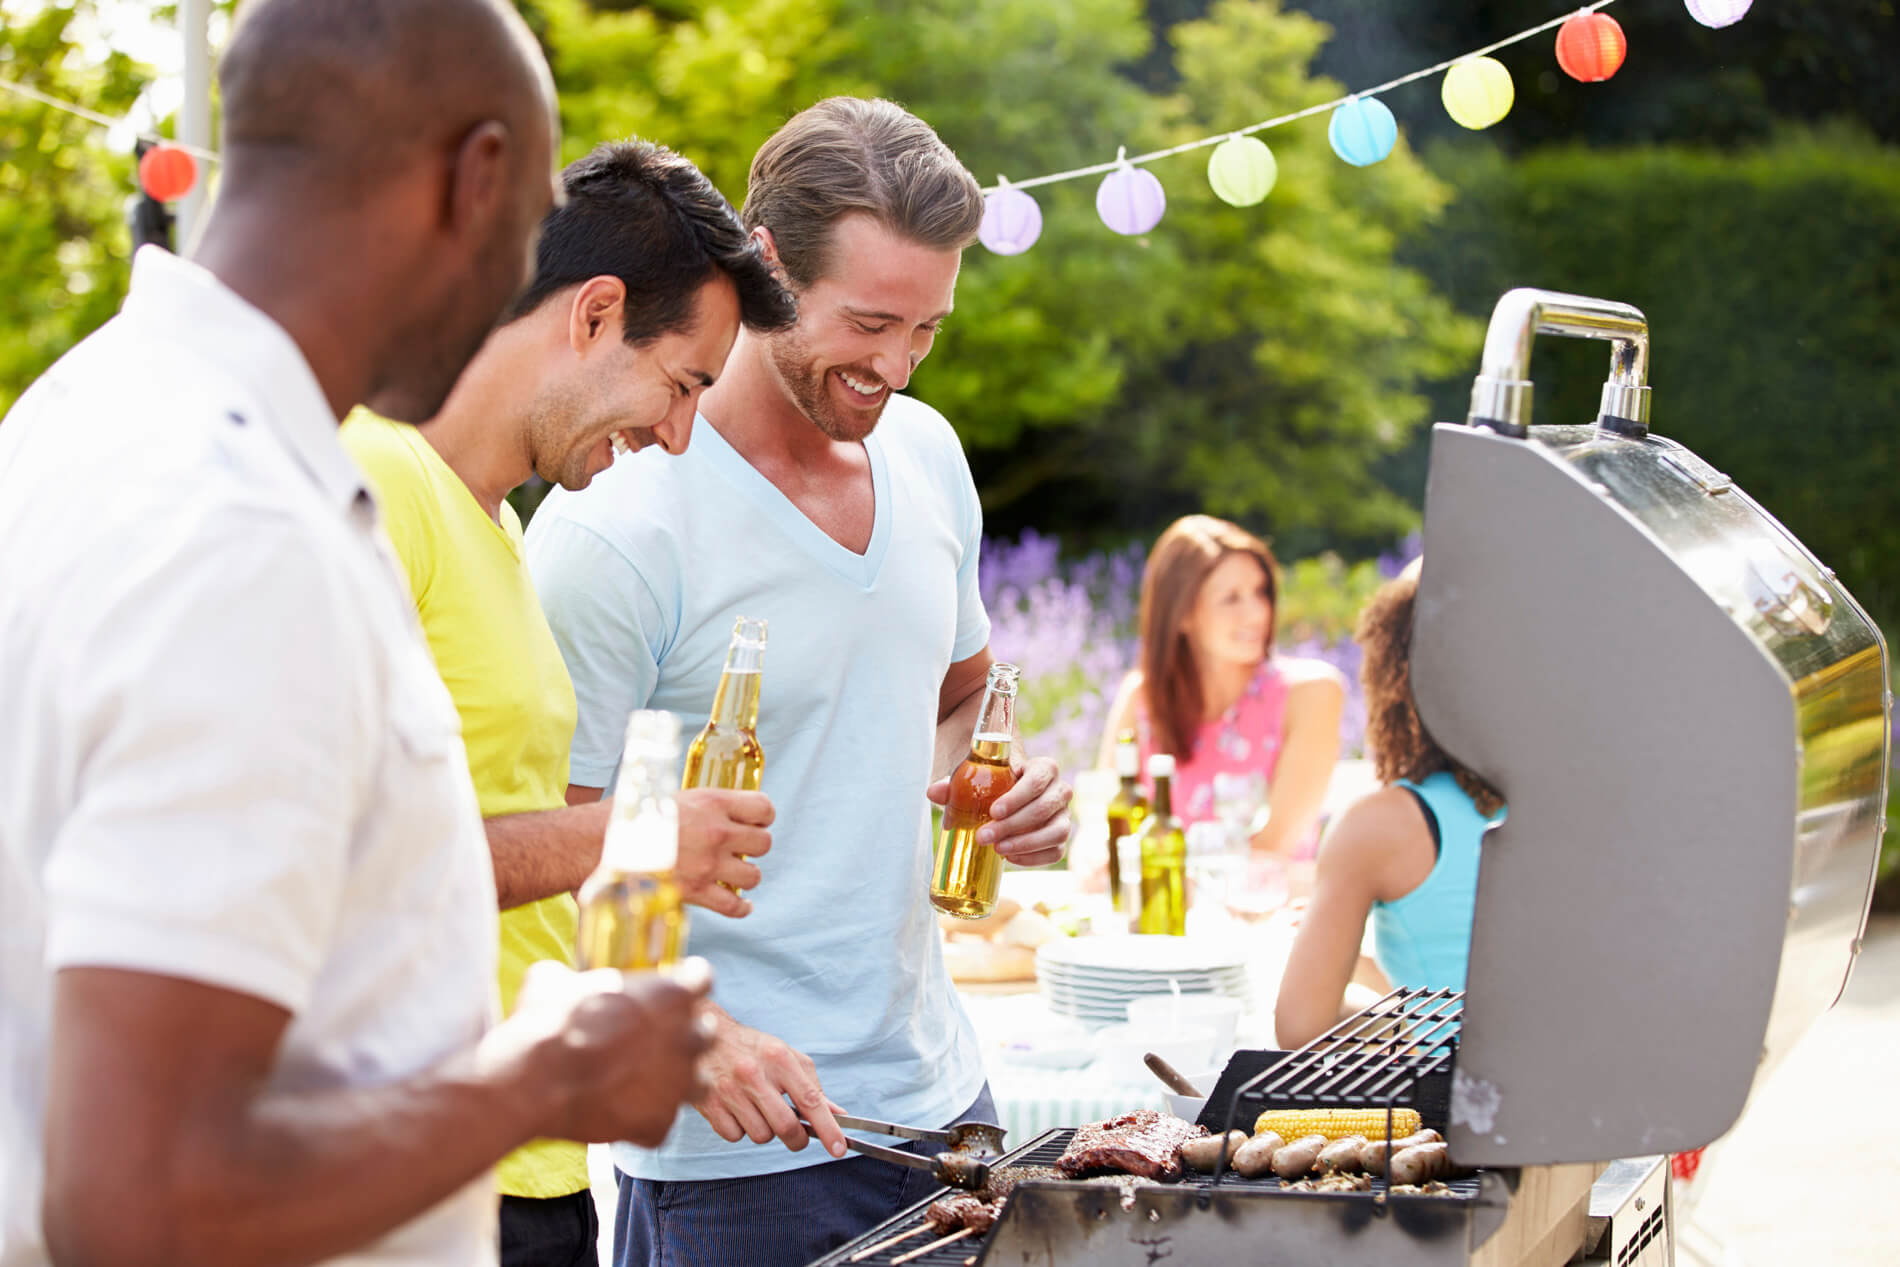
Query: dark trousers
x=781, y=1220
x=550, y=1231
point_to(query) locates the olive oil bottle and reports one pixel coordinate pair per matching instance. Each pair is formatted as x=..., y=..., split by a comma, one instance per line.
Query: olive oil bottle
x=1125, y=812
x=631, y=913
x=726, y=753
x=966, y=873
x=1163, y=846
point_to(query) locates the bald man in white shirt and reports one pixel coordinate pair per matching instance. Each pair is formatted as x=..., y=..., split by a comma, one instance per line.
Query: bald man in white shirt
x=246, y=906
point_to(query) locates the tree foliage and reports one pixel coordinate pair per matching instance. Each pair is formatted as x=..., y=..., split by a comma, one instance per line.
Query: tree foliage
x=64, y=245
x=1251, y=361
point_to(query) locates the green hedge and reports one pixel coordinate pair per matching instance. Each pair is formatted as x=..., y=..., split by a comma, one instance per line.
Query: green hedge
x=1771, y=280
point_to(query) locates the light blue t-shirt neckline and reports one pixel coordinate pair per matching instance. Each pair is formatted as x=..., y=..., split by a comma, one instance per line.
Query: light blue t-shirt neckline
x=859, y=569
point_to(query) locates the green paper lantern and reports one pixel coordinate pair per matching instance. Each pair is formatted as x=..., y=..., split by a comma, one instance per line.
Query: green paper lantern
x=1478, y=92
x=1242, y=170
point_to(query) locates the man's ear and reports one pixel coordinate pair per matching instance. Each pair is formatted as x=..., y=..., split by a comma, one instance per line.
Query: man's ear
x=480, y=180
x=596, y=312
x=768, y=247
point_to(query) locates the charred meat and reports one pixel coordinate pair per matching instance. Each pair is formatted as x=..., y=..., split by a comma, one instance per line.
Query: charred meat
x=1145, y=1143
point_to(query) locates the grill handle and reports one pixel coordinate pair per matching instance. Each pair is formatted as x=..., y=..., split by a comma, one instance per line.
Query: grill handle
x=1501, y=394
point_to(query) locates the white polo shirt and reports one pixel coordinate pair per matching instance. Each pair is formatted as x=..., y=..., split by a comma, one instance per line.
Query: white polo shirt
x=226, y=755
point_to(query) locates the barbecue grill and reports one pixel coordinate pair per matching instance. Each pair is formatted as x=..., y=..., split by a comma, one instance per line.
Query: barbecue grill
x=1689, y=718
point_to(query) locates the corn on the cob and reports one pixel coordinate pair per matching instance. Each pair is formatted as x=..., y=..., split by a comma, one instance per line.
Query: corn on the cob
x=1336, y=1123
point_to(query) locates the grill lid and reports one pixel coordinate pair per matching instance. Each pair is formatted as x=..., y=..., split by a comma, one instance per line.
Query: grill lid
x=1688, y=717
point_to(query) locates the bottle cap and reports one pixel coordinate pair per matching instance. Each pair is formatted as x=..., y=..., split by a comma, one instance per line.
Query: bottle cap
x=1127, y=759
x=1160, y=765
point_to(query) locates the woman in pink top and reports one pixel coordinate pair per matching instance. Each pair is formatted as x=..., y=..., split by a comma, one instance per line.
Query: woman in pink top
x=1211, y=690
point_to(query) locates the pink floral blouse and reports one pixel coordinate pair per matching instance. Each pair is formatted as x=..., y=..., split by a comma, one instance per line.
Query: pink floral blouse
x=1243, y=745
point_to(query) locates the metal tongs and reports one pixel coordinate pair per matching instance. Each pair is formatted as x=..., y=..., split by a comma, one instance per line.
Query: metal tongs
x=968, y=1147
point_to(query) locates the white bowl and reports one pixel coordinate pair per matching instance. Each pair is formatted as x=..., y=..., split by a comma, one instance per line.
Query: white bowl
x=1122, y=1047
x=1190, y=1106
x=1162, y=1014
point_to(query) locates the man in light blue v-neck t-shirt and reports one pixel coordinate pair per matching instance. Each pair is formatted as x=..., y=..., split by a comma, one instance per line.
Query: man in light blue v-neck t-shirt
x=843, y=514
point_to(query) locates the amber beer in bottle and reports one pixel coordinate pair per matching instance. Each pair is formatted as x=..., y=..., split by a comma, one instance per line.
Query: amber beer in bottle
x=1125, y=812
x=727, y=753
x=1163, y=847
x=631, y=914
x=967, y=873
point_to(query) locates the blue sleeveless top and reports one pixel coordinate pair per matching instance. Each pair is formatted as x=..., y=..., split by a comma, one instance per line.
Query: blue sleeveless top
x=1423, y=940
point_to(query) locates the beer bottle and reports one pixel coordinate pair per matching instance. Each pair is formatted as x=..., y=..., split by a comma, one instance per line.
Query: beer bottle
x=1163, y=857
x=967, y=874
x=631, y=914
x=1125, y=812
x=726, y=752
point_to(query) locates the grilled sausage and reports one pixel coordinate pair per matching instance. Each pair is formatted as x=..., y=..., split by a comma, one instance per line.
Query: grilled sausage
x=1419, y=1163
x=1255, y=1157
x=1342, y=1156
x=1203, y=1154
x=1373, y=1155
x=1298, y=1157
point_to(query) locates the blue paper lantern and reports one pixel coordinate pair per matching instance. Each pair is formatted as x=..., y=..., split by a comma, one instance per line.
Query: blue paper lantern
x=1130, y=199
x=1012, y=221
x=1362, y=131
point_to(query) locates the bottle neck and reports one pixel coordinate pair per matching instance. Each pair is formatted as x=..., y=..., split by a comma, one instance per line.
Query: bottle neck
x=643, y=831
x=995, y=724
x=1164, y=796
x=736, y=703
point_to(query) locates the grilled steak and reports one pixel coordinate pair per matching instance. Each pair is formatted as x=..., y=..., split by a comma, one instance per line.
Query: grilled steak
x=1144, y=1143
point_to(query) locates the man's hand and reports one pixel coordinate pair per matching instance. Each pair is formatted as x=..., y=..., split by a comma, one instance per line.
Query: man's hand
x=615, y=1053
x=748, y=1075
x=1029, y=823
x=719, y=830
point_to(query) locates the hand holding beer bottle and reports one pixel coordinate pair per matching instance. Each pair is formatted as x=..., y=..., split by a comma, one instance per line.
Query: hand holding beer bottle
x=726, y=757
x=967, y=873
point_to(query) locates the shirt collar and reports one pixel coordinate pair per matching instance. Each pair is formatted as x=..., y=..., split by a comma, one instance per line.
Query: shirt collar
x=183, y=300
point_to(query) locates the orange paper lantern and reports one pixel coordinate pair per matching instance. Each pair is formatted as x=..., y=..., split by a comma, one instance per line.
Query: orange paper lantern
x=167, y=173
x=1590, y=47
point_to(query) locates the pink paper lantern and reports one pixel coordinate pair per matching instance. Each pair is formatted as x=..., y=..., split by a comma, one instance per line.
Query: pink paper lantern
x=1130, y=200
x=1718, y=12
x=1011, y=221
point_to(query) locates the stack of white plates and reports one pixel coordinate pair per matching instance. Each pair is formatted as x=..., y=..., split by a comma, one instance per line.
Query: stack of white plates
x=1093, y=979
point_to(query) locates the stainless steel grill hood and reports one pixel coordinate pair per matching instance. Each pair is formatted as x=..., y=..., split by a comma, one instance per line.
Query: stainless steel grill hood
x=1689, y=719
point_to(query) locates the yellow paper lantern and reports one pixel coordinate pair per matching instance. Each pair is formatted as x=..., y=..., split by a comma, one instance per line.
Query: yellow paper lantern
x=1478, y=92
x=1242, y=170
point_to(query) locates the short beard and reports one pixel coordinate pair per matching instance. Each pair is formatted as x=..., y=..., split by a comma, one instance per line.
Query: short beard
x=791, y=359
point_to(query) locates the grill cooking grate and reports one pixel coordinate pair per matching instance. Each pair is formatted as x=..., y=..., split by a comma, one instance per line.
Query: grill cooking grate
x=1043, y=1151
x=1396, y=1053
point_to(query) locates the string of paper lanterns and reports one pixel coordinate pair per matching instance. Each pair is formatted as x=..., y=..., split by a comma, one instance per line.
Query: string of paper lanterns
x=1477, y=92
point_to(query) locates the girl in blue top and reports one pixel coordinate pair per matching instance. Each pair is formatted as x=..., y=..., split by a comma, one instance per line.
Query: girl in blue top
x=1405, y=857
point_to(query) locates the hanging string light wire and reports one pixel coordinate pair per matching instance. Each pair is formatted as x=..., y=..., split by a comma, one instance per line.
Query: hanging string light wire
x=1098, y=169
x=105, y=120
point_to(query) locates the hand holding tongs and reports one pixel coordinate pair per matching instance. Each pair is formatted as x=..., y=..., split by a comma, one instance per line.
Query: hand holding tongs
x=969, y=1146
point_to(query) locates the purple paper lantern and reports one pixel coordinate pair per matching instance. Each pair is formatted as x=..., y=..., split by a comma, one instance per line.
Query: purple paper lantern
x=1718, y=12
x=1011, y=221
x=1130, y=200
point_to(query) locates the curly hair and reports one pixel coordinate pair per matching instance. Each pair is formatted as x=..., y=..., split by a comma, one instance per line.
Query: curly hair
x=1400, y=745
x=1177, y=567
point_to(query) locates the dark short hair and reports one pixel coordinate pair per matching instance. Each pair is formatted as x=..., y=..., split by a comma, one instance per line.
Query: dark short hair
x=862, y=155
x=642, y=213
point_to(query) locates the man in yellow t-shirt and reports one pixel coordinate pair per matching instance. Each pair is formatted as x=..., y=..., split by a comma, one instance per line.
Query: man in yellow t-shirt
x=642, y=278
